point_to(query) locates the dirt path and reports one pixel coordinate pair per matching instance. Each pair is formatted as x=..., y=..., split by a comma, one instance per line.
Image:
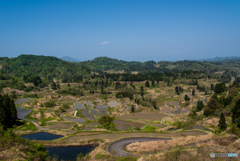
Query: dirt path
x=117, y=146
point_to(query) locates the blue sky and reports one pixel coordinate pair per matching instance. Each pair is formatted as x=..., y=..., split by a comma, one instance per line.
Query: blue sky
x=138, y=30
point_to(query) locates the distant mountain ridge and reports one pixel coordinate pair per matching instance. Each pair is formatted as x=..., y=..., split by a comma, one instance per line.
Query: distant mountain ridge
x=104, y=59
x=216, y=59
x=70, y=59
x=56, y=67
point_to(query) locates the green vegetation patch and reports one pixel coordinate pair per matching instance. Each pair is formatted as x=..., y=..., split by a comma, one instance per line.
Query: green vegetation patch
x=28, y=126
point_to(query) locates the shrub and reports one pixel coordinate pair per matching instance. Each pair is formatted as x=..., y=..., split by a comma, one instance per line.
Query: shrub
x=107, y=122
x=104, y=96
x=30, y=95
x=149, y=128
x=200, y=106
x=184, y=125
x=211, y=107
x=50, y=103
x=234, y=129
x=64, y=107
x=128, y=94
x=80, y=156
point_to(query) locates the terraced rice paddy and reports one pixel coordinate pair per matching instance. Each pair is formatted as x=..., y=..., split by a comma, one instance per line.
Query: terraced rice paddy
x=103, y=111
x=127, y=108
x=176, y=112
x=89, y=104
x=21, y=113
x=166, y=109
x=113, y=104
x=175, y=104
x=79, y=106
x=150, y=116
x=23, y=100
x=62, y=125
x=79, y=120
x=124, y=125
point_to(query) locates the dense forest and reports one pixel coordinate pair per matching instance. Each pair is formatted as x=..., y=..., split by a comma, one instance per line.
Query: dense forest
x=44, y=70
x=54, y=67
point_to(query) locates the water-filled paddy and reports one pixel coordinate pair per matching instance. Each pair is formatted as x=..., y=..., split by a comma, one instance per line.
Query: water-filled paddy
x=90, y=104
x=80, y=106
x=175, y=103
x=41, y=136
x=19, y=101
x=21, y=113
x=113, y=104
x=69, y=153
x=127, y=108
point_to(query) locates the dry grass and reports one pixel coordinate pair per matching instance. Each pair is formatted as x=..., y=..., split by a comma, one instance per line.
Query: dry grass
x=212, y=121
x=200, y=152
x=203, y=145
x=224, y=140
x=165, y=144
x=8, y=90
x=236, y=144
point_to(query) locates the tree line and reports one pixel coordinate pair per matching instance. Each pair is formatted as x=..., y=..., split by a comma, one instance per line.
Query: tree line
x=8, y=111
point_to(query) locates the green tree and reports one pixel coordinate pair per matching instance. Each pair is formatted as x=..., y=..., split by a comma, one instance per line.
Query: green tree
x=132, y=109
x=153, y=82
x=186, y=98
x=8, y=111
x=107, y=122
x=54, y=86
x=236, y=114
x=58, y=86
x=142, y=91
x=37, y=80
x=200, y=106
x=147, y=84
x=211, y=107
x=178, y=89
x=212, y=87
x=222, y=122
x=233, y=91
x=193, y=92
x=102, y=90
x=220, y=87
x=192, y=114
x=154, y=103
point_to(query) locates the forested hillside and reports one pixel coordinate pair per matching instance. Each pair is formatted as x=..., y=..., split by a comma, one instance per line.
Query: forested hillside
x=52, y=67
x=102, y=64
x=43, y=66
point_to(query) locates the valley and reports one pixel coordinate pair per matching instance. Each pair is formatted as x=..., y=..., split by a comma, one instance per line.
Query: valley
x=166, y=114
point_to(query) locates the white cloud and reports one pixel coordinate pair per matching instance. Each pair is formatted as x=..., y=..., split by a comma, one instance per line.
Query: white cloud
x=105, y=43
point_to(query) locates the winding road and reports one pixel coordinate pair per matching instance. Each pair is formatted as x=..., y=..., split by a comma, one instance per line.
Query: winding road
x=117, y=146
